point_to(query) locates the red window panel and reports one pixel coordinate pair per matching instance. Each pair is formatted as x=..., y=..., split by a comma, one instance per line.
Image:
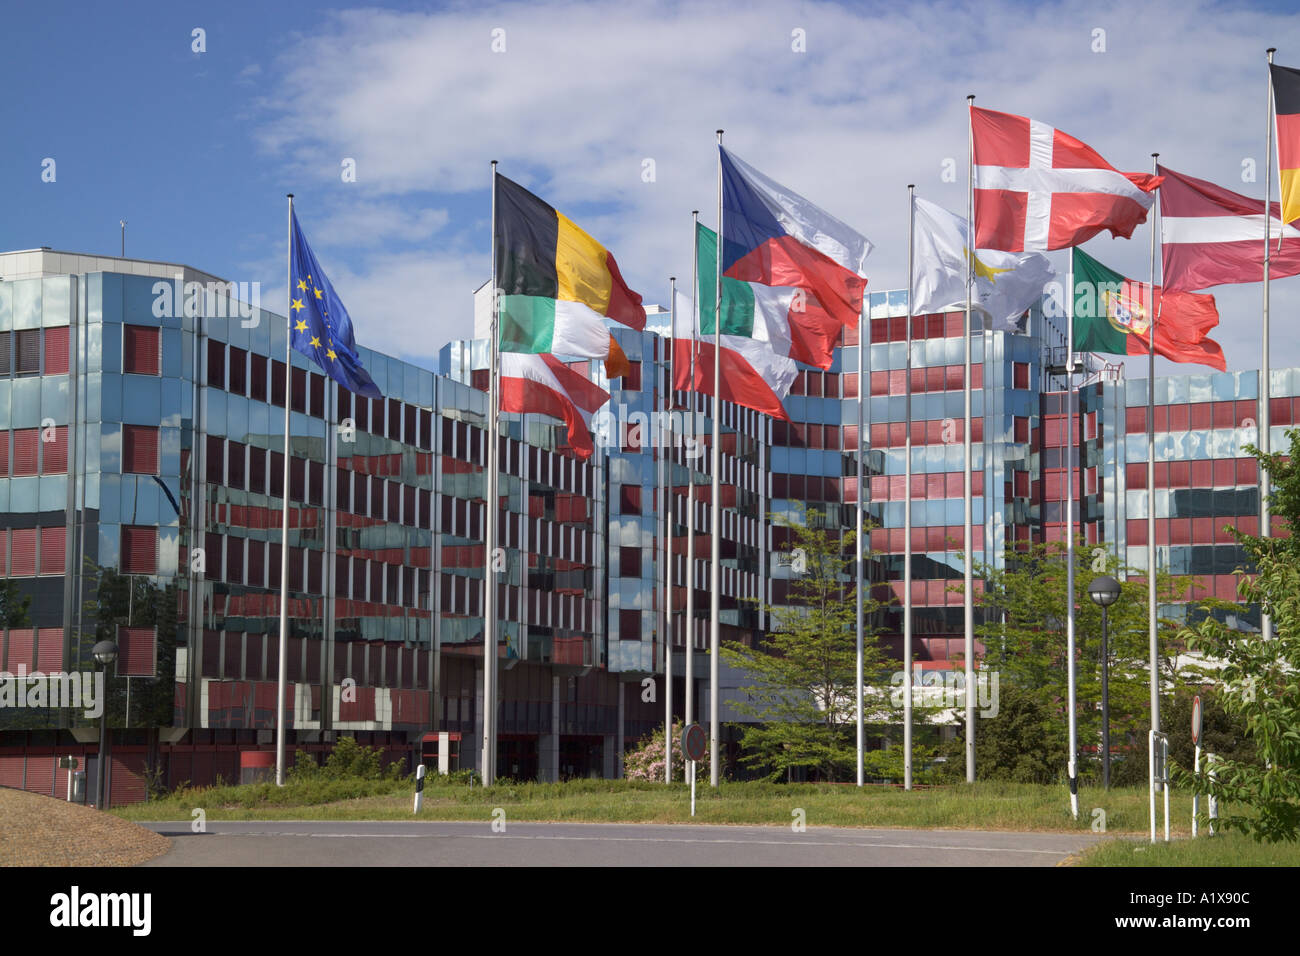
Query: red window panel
x=53, y=554
x=1090, y=424
x=1180, y=418
x=632, y=380
x=1224, y=412
x=1247, y=524
x=317, y=387
x=22, y=650
x=940, y=378
x=879, y=435
x=1202, y=473
x=976, y=429
x=141, y=349
x=258, y=383
x=1279, y=411
x=139, y=550
x=1180, y=474
x=256, y=564
x=1135, y=476
x=1162, y=474
x=1137, y=531
x=1135, y=420
x=1020, y=375
x=54, y=451
x=234, y=561
x=897, y=382
x=816, y=384
x=1225, y=472
x=56, y=351
x=851, y=385
x=1162, y=418
x=1020, y=429
x=934, y=486
x=140, y=449
x=897, y=328
x=1021, y=484
x=49, y=649
x=216, y=364
x=137, y=651
x=277, y=383
x=27, y=444
x=897, y=434
x=1054, y=431
x=1202, y=530
x=977, y=376
x=1221, y=533
x=236, y=455
x=23, y=562
x=879, y=330
x=1202, y=416
x=1180, y=531
x=1247, y=471
x=6, y=367
x=1246, y=409
x=954, y=325
x=4, y=454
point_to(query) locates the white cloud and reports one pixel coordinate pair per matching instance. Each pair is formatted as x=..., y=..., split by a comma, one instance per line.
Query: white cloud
x=584, y=93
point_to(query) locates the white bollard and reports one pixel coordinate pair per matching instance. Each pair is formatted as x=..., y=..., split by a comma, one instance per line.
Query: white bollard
x=419, y=787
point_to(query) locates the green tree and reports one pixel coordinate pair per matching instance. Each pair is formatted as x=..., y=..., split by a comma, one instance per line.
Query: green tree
x=1025, y=640
x=1259, y=678
x=804, y=673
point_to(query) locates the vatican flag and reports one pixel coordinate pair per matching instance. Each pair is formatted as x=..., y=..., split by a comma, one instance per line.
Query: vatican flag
x=1006, y=283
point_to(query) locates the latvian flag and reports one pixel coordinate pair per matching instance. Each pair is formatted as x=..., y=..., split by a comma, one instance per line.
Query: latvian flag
x=773, y=236
x=1037, y=188
x=543, y=385
x=1211, y=236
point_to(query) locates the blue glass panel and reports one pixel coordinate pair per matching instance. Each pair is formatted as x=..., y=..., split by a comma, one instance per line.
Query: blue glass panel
x=56, y=307
x=53, y=493
x=6, y=404
x=111, y=298
x=26, y=409
x=6, y=306
x=141, y=399
x=26, y=304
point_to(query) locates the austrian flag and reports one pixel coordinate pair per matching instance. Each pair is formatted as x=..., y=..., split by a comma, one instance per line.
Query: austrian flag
x=1037, y=188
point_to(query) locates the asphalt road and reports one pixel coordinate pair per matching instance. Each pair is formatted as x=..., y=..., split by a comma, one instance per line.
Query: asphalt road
x=330, y=843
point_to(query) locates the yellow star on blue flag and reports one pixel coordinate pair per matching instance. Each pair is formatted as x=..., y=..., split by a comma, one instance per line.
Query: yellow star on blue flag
x=320, y=326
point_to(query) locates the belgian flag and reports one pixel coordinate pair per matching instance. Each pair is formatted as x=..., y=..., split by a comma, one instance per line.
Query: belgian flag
x=557, y=283
x=1286, y=102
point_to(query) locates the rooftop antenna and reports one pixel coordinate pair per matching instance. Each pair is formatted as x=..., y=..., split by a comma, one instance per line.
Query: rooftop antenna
x=122, y=223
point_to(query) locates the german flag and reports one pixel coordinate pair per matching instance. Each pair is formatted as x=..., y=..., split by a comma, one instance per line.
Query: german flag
x=1286, y=102
x=557, y=283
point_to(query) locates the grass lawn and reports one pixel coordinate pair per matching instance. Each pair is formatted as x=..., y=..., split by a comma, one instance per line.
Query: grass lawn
x=988, y=806
x=1224, y=849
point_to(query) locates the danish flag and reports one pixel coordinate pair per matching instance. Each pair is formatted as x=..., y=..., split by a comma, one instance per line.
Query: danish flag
x=1037, y=188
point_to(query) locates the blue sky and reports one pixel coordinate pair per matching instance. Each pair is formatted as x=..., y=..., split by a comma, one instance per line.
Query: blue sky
x=196, y=150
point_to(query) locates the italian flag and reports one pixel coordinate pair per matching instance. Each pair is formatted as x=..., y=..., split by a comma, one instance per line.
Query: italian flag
x=1113, y=315
x=757, y=370
x=543, y=385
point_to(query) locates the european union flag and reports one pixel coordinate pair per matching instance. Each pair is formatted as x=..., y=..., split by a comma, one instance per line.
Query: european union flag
x=319, y=325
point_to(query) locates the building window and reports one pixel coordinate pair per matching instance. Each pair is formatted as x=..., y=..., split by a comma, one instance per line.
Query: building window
x=23, y=562
x=6, y=361
x=136, y=651
x=629, y=625
x=27, y=354
x=54, y=451
x=238, y=384
x=141, y=348
x=216, y=364
x=27, y=443
x=56, y=351
x=630, y=499
x=629, y=562
x=53, y=555
x=139, y=450
x=139, y=550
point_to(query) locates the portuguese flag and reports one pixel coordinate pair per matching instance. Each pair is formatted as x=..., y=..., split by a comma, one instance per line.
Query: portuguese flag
x=557, y=283
x=1113, y=315
x=1286, y=103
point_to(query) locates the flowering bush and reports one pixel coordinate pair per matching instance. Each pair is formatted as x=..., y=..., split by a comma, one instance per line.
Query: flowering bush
x=645, y=761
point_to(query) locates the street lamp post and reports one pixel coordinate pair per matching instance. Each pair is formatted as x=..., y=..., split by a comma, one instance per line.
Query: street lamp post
x=1104, y=592
x=105, y=652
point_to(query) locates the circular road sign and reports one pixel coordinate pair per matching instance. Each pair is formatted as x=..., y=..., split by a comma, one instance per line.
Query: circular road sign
x=1196, y=720
x=694, y=742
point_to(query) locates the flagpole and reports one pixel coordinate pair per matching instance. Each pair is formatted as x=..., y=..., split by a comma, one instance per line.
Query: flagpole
x=282, y=683
x=665, y=450
x=690, y=483
x=1266, y=623
x=490, y=525
x=715, y=520
x=1153, y=565
x=1072, y=684
x=968, y=581
x=907, y=501
x=861, y=736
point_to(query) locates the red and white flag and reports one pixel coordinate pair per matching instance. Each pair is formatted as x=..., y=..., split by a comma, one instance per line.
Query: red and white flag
x=1212, y=236
x=543, y=385
x=1037, y=188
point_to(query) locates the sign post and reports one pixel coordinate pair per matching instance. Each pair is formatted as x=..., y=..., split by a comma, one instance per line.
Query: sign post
x=1197, y=719
x=694, y=741
x=1158, y=760
x=69, y=764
